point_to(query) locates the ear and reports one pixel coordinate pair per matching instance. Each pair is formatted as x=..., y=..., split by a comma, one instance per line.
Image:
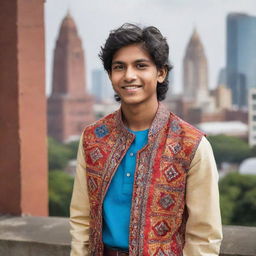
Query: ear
x=161, y=74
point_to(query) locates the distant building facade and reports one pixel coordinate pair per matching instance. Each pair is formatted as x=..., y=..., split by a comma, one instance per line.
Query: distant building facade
x=70, y=107
x=195, y=72
x=196, y=99
x=252, y=116
x=223, y=97
x=241, y=56
x=222, y=77
x=198, y=104
x=101, y=86
x=170, y=85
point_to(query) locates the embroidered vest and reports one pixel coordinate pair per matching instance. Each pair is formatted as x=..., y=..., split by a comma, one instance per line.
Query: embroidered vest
x=158, y=213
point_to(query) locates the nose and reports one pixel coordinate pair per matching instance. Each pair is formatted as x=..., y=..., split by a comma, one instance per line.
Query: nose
x=130, y=75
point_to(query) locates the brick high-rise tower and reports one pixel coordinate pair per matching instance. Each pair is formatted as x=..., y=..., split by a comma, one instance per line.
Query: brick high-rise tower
x=69, y=106
x=195, y=71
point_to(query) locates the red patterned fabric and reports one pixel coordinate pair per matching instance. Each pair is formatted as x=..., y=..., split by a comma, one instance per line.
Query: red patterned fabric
x=158, y=214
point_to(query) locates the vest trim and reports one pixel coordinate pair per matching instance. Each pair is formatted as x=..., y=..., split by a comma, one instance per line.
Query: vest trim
x=158, y=212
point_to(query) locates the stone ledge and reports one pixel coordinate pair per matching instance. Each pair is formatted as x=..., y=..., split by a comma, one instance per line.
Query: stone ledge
x=25, y=248
x=42, y=236
x=46, y=230
x=30, y=236
x=238, y=241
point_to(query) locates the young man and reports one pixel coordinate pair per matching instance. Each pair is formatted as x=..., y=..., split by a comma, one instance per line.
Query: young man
x=146, y=181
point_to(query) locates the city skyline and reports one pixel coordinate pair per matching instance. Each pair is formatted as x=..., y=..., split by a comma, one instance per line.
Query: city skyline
x=178, y=19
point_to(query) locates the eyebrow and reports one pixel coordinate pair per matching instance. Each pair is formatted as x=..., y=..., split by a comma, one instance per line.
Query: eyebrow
x=136, y=61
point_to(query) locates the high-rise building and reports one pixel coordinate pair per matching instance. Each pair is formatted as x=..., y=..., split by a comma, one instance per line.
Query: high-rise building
x=241, y=56
x=222, y=77
x=222, y=93
x=195, y=71
x=170, y=87
x=252, y=116
x=101, y=86
x=223, y=97
x=69, y=105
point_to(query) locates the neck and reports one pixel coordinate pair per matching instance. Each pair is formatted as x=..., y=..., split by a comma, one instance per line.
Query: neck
x=139, y=117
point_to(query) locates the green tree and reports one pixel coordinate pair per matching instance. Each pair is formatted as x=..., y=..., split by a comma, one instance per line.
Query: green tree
x=60, y=183
x=60, y=192
x=72, y=147
x=253, y=151
x=58, y=155
x=229, y=149
x=238, y=199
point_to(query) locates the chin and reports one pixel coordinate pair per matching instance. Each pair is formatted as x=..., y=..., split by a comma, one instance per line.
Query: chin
x=131, y=101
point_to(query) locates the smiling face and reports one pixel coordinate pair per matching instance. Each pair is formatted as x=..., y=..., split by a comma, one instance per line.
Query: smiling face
x=134, y=75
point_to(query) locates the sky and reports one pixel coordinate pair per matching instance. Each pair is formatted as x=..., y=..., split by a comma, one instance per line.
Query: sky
x=176, y=19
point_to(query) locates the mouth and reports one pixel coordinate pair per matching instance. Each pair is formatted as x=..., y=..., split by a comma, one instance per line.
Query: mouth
x=131, y=87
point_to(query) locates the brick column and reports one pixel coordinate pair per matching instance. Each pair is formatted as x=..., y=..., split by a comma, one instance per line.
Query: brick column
x=23, y=148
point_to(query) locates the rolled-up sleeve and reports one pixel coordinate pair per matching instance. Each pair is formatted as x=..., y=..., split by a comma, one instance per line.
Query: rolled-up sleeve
x=80, y=209
x=203, y=229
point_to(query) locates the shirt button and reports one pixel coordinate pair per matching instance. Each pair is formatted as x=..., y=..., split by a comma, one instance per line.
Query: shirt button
x=131, y=154
x=128, y=174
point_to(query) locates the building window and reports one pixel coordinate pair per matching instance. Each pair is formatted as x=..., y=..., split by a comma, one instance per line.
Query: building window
x=254, y=96
x=254, y=117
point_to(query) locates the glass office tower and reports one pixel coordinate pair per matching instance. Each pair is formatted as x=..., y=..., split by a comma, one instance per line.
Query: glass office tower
x=241, y=56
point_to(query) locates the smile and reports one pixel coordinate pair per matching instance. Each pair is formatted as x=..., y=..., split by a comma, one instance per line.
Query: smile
x=131, y=87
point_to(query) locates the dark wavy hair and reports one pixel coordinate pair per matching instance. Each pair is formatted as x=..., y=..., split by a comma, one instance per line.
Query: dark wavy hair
x=151, y=40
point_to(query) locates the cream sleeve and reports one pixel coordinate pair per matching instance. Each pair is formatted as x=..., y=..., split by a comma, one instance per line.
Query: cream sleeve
x=80, y=209
x=203, y=229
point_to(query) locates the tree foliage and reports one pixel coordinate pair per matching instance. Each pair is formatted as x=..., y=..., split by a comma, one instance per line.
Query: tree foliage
x=237, y=192
x=58, y=155
x=238, y=199
x=60, y=192
x=229, y=149
x=72, y=147
x=60, y=183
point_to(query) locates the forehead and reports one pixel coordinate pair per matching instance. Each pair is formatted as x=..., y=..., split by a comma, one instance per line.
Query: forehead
x=131, y=53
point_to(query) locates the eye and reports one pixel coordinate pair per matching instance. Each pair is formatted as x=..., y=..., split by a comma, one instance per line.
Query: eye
x=118, y=67
x=141, y=65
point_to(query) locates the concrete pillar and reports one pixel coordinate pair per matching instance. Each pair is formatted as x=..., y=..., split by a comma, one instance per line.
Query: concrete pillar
x=23, y=148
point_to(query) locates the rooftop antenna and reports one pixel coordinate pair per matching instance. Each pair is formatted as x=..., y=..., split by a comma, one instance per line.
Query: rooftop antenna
x=194, y=27
x=68, y=11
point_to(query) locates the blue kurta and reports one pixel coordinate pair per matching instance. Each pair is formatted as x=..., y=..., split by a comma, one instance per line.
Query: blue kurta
x=117, y=202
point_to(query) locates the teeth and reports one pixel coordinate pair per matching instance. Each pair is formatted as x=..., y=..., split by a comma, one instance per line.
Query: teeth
x=131, y=87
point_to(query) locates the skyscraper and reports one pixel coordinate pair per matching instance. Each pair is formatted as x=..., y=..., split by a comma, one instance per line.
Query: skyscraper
x=252, y=116
x=195, y=71
x=222, y=77
x=241, y=56
x=101, y=86
x=69, y=105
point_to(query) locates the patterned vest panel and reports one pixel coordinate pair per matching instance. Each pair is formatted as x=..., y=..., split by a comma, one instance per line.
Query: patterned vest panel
x=158, y=214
